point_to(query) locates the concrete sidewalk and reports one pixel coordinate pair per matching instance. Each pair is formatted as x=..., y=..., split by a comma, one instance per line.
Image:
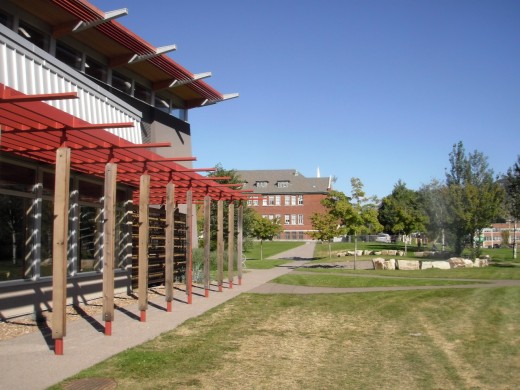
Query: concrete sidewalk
x=28, y=362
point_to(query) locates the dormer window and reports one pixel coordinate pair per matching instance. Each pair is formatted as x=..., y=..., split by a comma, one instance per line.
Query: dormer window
x=282, y=184
x=261, y=184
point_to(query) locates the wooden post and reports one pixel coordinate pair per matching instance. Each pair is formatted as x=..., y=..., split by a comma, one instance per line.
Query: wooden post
x=240, y=237
x=59, y=248
x=220, y=244
x=168, y=267
x=189, y=245
x=207, y=244
x=144, y=230
x=109, y=245
x=231, y=241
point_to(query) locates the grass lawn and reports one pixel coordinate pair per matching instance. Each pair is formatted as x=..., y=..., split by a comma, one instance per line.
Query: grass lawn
x=491, y=272
x=428, y=339
x=270, y=248
x=337, y=280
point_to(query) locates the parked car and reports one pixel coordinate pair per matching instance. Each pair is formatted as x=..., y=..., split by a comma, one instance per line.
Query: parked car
x=383, y=237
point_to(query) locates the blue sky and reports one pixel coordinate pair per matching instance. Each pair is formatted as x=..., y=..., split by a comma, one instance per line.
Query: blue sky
x=378, y=90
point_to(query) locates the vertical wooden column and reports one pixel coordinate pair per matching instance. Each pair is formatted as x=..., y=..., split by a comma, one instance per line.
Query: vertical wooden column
x=220, y=244
x=189, y=245
x=109, y=245
x=144, y=231
x=59, y=248
x=207, y=244
x=168, y=267
x=231, y=241
x=240, y=238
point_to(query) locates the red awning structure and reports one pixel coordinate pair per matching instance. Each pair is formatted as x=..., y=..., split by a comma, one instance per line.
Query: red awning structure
x=35, y=130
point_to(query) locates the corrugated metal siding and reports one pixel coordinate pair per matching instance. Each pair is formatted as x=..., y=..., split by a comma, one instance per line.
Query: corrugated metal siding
x=26, y=72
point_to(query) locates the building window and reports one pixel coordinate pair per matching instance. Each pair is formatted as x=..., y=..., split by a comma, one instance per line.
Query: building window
x=261, y=184
x=300, y=200
x=264, y=201
x=293, y=219
x=287, y=200
x=95, y=69
x=282, y=184
x=142, y=93
x=162, y=104
x=6, y=19
x=271, y=200
x=249, y=202
x=287, y=219
x=122, y=82
x=277, y=200
x=255, y=202
x=293, y=200
x=300, y=219
x=36, y=37
x=69, y=56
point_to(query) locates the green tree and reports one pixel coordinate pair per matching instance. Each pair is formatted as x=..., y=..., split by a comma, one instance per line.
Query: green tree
x=231, y=177
x=401, y=211
x=326, y=227
x=432, y=198
x=473, y=198
x=265, y=229
x=513, y=196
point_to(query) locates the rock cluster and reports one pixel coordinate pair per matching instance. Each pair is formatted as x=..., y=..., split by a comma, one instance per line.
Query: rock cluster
x=454, y=262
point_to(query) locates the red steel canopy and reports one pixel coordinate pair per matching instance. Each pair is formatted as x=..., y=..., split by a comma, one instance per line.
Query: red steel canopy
x=34, y=130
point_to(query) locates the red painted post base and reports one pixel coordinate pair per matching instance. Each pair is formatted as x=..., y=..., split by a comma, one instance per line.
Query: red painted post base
x=143, y=316
x=219, y=288
x=58, y=346
x=230, y=284
x=239, y=281
x=108, y=328
x=206, y=293
x=190, y=299
x=169, y=306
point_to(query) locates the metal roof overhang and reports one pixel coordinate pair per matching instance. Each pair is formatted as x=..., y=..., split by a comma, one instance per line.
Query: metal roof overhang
x=34, y=130
x=118, y=43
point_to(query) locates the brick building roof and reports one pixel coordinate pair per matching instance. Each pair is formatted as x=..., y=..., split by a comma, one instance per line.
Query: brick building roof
x=282, y=181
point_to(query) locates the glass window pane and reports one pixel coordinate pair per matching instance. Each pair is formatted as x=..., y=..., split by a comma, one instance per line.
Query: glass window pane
x=68, y=55
x=14, y=231
x=16, y=177
x=90, y=192
x=95, y=70
x=34, y=36
x=89, y=238
x=142, y=93
x=122, y=82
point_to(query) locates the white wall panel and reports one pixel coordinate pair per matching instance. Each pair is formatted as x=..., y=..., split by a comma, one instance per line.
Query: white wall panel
x=27, y=72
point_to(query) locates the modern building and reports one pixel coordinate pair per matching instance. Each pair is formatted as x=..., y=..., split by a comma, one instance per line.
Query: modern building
x=501, y=234
x=88, y=107
x=288, y=196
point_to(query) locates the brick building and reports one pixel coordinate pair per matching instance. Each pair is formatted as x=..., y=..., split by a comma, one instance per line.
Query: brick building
x=288, y=196
x=493, y=236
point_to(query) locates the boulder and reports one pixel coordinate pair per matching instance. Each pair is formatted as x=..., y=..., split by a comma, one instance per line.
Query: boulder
x=456, y=262
x=426, y=264
x=441, y=265
x=359, y=253
x=367, y=252
x=419, y=254
x=480, y=262
x=392, y=253
x=350, y=253
x=407, y=265
x=390, y=264
x=378, y=253
x=379, y=263
x=468, y=263
x=384, y=252
x=400, y=253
